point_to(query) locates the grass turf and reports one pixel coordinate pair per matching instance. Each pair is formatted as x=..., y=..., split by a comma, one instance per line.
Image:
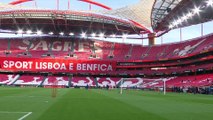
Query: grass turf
x=81, y=104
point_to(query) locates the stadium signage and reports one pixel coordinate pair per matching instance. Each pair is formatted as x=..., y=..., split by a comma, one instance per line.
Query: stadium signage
x=55, y=65
x=82, y=46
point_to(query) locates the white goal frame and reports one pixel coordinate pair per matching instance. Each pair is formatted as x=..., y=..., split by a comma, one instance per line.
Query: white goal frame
x=123, y=79
x=121, y=83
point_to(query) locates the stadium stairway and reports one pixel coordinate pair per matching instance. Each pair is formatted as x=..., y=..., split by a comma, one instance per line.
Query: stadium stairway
x=14, y=80
x=8, y=48
x=45, y=77
x=119, y=83
x=70, y=81
x=146, y=53
x=96, y=82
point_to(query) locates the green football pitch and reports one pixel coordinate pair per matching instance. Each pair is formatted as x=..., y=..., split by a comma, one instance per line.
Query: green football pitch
x=81, y=104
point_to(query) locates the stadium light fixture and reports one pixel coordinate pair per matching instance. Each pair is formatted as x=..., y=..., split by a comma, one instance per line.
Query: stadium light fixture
x=179, y=21
x=29, y=32
x=39, y=32
x=83, y=35
x=189, y=15
x=124, y=36
x=61, y=33
x=20, y=31
x=101, y=35
x=184, y=18
x=175, y=23
x=196, y=10
x=50, y=33
x=113, y=35
x=210, y=2
x=171, y=26
x=93, y=34
x=71, y=34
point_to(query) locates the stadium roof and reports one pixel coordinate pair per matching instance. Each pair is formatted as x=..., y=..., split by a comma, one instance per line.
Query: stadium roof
x=139, y=12
x=133, y=24
x=162, y=8
x=171, y=14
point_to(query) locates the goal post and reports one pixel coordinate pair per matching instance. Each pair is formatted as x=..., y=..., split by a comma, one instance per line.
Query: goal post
x=54, y=88
x=164, y=86
x=123, y=84
x=129, y=82
x=121, y=87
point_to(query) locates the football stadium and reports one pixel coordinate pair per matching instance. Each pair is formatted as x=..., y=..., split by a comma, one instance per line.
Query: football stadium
x=106, y=60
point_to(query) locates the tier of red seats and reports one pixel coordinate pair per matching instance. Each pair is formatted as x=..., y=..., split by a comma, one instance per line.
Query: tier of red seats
x=83, y=49
x=176, y=81
x=121, y=51
x=56, y=80
x=83, y=81
x=8, y=79
x=29, y=80
x=138, y=52
x=182, y=81
x=104, y=81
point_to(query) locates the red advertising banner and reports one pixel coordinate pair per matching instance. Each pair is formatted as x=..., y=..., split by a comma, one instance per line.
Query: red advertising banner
x=55, y=65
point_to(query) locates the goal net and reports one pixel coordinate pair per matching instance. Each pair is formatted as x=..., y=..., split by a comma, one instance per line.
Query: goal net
x=127, y=83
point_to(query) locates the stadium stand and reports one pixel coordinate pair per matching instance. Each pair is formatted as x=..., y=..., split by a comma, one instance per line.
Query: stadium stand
x=181, y=81
x=168, y=59
x=104, y=81
x=137, y=52
x=121, y=51
x=29, y=80
x=104, y=50
x=8, y=79
x=83, y=81
x=61, y=81
x=131, y=82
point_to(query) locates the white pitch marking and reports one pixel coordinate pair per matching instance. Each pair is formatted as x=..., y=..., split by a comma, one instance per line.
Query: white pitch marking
x=26, y=114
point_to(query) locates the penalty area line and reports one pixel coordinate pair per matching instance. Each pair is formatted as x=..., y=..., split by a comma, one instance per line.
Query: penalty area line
x=21, y=118
x=28, y=113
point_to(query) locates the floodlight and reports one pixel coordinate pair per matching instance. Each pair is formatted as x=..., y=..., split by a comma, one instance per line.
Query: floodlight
x=29, y=32
x=93, y=34
x=83, y=35
x=184, y=18
x=175, y=23
x=101, y=35
x=196, y=10
x=20, y=31
x=179, y=21
x=50, y=33
x=71, y=34
x=39, y=32
x=189, y=14
x=171, y=26
x=61, y=33
x=124, y=36
x=113, y=35
x=210, y=2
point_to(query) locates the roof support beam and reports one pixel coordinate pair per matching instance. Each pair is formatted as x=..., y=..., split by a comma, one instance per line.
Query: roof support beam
x=15, y=22
x=53, y=21
x=27, y=20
